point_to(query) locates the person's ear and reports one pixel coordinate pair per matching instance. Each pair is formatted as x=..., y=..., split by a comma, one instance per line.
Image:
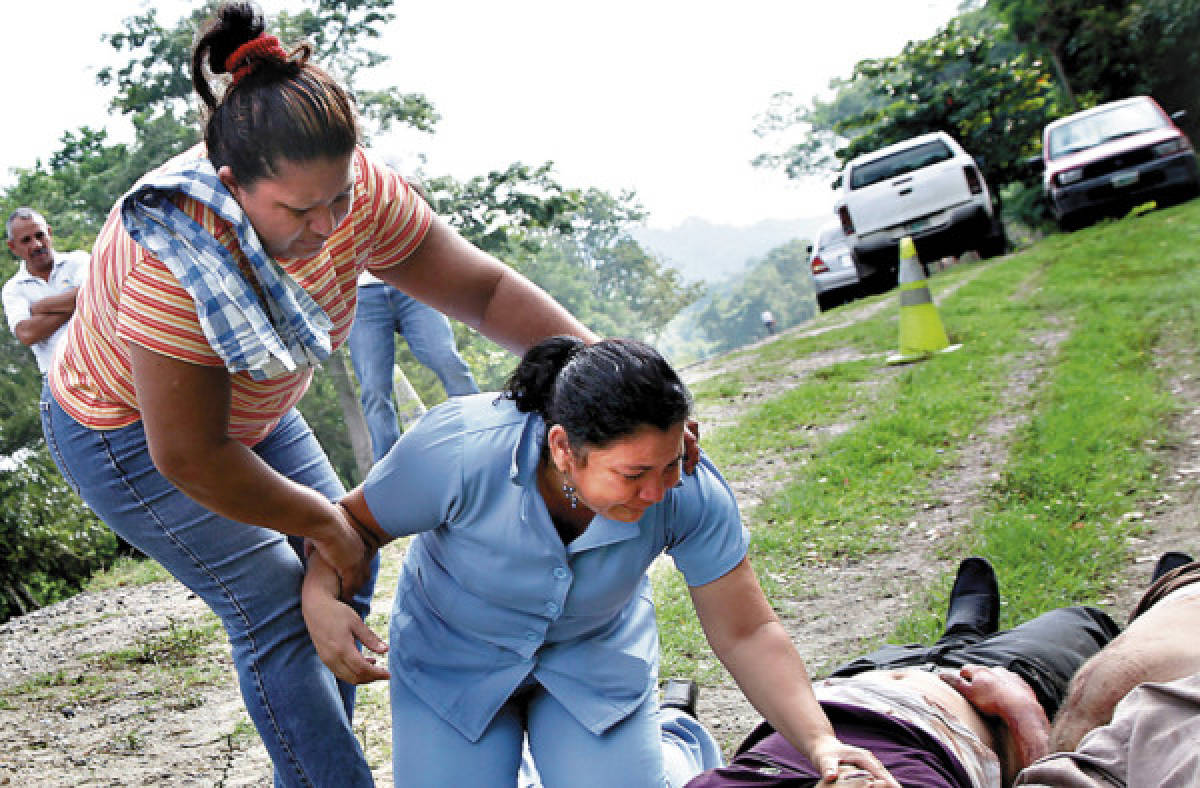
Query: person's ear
x=560, y=447
x=225, y=174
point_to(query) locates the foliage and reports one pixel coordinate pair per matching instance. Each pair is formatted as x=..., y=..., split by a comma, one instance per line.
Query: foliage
x=49, y=541
x=1084, y=40
x=991, y=96
x=780, y=283
x=967, y=80
x=817, y=126
x=1163, y=34
x=575, y=244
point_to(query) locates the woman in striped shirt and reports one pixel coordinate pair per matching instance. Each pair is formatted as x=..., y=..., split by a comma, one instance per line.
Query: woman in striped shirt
x=215, y=286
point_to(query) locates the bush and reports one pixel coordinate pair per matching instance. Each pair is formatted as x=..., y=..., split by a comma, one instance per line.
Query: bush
x=50, y=542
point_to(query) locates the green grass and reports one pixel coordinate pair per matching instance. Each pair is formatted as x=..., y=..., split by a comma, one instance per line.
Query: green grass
x=1053, y=526
x=127, y=572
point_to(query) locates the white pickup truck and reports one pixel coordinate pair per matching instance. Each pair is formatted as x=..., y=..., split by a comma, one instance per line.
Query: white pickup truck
x=926, y=187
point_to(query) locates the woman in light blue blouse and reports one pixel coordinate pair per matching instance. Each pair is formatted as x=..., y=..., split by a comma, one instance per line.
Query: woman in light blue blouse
x=524, y=607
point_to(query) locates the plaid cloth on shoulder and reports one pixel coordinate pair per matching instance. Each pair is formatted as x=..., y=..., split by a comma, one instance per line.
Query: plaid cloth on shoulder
x=291, y=333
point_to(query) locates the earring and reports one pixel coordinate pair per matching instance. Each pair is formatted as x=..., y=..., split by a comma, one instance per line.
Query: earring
x=572, y=498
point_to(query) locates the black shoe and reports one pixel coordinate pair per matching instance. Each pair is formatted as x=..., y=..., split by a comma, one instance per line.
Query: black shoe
x=680, y=694
x=1168, y=561
x=974, y=599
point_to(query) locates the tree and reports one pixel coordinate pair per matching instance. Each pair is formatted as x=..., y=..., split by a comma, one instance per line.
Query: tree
x=575, y=244
x=1163, y=34
x=971, y=79
x=780, y=282
x=1083, y=39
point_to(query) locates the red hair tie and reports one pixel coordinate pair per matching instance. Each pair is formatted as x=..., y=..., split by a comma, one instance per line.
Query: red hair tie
x=246, y=57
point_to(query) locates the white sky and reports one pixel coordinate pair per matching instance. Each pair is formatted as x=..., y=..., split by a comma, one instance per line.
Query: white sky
x=659, y=96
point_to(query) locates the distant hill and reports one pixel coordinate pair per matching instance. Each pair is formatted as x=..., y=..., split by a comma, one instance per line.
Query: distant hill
x=703, y=251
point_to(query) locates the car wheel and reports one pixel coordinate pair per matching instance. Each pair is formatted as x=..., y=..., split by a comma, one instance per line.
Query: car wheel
x=828, y=300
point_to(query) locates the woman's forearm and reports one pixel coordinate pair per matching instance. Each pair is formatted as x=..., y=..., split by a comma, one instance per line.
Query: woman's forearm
x=229, y=479
x=774, y=679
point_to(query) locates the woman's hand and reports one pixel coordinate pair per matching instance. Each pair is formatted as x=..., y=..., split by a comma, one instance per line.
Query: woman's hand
x=346, y=551
x=336, y=629
x=832, y=758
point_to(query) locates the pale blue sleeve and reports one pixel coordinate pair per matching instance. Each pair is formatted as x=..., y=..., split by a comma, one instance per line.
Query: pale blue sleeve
x=705, y=534
x=415, y=487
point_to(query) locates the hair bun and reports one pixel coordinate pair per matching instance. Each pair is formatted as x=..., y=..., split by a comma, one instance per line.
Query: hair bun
x=235, y=24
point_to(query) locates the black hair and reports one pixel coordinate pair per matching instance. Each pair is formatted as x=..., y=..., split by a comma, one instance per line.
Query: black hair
x=598, y=393
x=282, y=109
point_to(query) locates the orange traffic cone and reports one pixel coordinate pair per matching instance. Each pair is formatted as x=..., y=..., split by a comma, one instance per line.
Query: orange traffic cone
x=921, y=330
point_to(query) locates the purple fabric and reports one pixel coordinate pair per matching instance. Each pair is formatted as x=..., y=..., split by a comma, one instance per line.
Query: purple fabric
x=915, y=758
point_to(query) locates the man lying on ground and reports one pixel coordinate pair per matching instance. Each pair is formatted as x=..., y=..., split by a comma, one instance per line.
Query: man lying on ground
x=1132, y=715
x=967, y=712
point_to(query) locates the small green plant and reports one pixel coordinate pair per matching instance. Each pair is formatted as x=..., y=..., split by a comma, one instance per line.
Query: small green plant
x=129, y=741
x=178, y=646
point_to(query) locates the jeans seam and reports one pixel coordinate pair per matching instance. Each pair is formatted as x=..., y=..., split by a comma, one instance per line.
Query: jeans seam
x=284, y=744
x=55, y=453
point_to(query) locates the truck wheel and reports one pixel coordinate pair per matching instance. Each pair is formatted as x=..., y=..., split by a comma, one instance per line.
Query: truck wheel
x=996, y=243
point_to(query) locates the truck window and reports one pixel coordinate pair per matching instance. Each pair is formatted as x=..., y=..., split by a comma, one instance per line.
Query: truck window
x=899, y=163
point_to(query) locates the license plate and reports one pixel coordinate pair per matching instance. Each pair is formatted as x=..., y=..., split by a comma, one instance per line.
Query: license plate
x=1123, y=179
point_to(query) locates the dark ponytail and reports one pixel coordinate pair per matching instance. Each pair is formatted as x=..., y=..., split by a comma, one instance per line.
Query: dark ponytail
x=600, y=392
x=278, y=107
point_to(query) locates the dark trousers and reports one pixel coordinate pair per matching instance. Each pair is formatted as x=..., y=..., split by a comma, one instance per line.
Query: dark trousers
x=1045, y=651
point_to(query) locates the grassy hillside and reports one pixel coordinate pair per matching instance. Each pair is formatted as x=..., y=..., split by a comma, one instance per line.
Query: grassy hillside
x=858, y=450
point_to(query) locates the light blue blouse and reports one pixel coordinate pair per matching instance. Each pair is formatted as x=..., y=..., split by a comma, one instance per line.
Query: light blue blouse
x=489, y=595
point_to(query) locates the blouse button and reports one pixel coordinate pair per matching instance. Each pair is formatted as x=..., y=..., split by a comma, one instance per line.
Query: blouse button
x=560, y=573
x=531, y=635
x=551, y=607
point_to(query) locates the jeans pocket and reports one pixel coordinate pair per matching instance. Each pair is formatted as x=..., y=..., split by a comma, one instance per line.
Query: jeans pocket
x=52, y=445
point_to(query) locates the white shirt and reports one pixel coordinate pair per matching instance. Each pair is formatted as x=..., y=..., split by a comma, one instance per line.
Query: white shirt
x=24, y=289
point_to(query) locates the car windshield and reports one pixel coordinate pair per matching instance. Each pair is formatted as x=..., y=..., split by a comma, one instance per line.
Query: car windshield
x=899, y=163
x=1092, y=130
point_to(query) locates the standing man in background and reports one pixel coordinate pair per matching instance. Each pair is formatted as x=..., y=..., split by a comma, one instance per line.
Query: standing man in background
x=768, y=321
x=383, y=312
x=40, y=298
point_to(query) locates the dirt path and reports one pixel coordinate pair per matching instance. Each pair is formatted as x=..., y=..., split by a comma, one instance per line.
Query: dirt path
x=72, y=714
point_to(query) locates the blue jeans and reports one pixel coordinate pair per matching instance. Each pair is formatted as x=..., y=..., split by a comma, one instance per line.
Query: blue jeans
x=651, y=748
x=382, y=312
x=249, y=576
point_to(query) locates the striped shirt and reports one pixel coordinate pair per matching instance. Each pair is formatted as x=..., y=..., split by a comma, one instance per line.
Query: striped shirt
x=129, y=296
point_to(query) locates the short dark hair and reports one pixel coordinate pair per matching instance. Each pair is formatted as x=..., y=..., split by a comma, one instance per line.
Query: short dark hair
x=285, y=108
x=601, y=392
